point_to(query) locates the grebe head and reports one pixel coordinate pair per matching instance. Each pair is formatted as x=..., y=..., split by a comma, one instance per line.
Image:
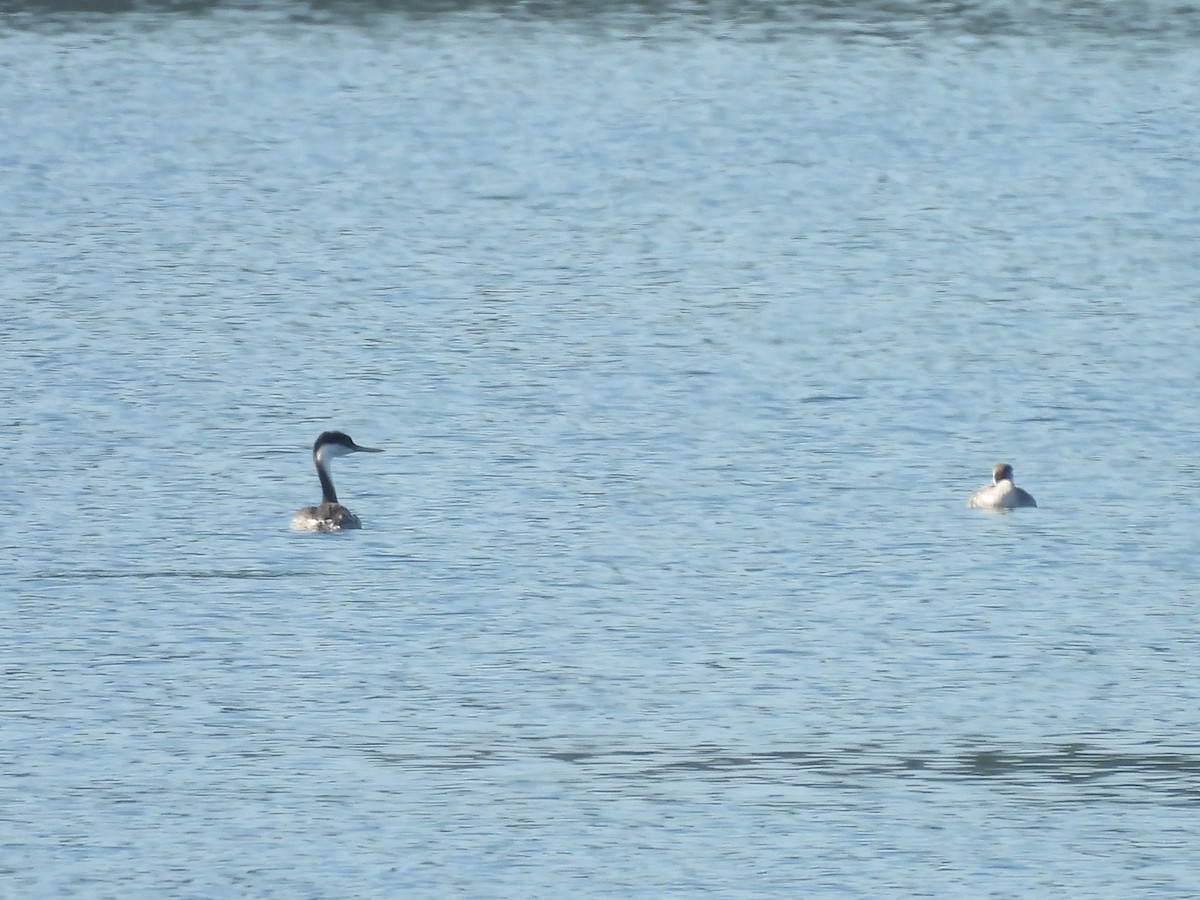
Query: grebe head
x=332, y=444
x=1002, y=472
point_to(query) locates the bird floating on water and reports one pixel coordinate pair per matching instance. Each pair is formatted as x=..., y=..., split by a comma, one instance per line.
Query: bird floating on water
x=1001, y=493
x=330, y=515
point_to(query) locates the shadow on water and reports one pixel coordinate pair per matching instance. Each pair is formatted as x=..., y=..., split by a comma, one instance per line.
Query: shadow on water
x=1129, y=776
x=1069, y=763
x=878, y=19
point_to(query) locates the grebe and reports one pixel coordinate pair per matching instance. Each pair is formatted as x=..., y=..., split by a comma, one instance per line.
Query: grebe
x=1001, y=493
x=330, y=515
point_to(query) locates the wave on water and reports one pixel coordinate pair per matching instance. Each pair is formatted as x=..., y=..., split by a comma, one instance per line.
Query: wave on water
x=864, y=19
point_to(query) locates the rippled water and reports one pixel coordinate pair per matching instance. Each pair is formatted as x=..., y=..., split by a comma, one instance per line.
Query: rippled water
x=687, y=332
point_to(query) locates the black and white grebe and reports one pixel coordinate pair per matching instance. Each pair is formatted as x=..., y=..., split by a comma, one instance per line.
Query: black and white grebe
x=1001, y=493
x=330, y=515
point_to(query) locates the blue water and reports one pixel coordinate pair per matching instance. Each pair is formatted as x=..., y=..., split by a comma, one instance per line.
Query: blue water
x=687, y=332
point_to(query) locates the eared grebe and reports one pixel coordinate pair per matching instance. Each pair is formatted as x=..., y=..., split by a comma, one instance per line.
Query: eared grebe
x=1001, y=493
x=330, y=515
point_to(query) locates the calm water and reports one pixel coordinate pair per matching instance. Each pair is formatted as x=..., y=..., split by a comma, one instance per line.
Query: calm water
x=687, y=333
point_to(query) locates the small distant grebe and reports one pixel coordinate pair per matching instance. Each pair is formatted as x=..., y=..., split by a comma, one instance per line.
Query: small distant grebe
x=330, y=515
x=1001, y=493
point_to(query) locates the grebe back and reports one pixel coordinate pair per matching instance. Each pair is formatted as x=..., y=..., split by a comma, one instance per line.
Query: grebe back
x=329, y=515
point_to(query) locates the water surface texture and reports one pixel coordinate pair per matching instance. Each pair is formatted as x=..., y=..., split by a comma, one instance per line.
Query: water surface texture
x=687, y=331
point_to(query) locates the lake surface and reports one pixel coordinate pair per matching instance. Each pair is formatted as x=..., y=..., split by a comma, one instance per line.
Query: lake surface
x=687, y=332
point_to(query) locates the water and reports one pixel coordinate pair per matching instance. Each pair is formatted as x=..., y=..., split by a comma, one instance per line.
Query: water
x=687, y=333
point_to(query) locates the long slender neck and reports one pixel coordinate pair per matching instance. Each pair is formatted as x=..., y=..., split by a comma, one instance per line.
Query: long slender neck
x=328, y=495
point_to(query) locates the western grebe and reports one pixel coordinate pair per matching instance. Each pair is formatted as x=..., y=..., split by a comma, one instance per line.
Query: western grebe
x=1001, y=493
x=330, y=515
